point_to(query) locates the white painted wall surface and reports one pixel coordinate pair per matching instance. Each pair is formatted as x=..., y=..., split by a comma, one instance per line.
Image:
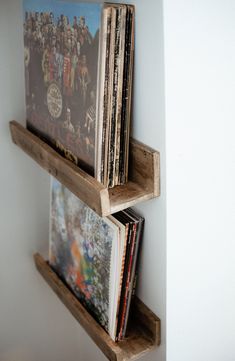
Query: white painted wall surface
x=34, y=325
x=200, y=158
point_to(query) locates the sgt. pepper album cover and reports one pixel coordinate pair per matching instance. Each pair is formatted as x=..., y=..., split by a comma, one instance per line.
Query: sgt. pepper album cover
x=78, y=77
x=61, y=58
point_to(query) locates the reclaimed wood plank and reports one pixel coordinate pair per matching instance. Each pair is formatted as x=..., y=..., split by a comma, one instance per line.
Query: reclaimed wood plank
x=131, y=193
x=145, y=167
x=143, y=333
x=144, y=173
x=75, y=179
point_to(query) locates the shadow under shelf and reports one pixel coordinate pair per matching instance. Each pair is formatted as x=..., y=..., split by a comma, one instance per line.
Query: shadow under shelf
x=144, y=173
x=144, y=331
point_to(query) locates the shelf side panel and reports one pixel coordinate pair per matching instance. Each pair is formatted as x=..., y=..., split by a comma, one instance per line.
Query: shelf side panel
x=75, y=179
x=144, y=167
x=147, y=320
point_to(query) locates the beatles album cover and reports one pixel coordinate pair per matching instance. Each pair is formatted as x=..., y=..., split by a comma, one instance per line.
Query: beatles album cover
x=61, y=59
x=78, y=78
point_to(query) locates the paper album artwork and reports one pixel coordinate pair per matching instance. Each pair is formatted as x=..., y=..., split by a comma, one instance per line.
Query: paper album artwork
x=61, y=58
x=78, y=60
x=84, y=252
x=96, y=257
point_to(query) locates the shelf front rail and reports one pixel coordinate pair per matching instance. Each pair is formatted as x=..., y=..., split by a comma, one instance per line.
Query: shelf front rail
x=144, y=173
x=143, y=334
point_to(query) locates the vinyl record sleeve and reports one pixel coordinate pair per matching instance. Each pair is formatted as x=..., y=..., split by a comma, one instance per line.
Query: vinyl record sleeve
x=134, y=268
x=125, y=220
x=136, y=224
x=78, y=71
x=62, y=43
x=127, y=96
x=87, y=252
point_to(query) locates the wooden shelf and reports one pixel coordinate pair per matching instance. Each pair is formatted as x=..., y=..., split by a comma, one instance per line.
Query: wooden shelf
x=144, y=174
x=144, y=331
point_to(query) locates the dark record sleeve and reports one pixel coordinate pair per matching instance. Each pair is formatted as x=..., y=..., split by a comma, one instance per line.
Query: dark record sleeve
x=121, y=217
x=127, y=95
x=135, y=236
x=133, y=276
x=112, y=134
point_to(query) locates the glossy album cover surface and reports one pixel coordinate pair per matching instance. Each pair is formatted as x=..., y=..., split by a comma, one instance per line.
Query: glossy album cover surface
x=61, y=59
x=81, y=250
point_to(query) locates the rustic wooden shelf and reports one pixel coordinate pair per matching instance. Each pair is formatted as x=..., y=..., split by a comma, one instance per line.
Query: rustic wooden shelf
x=144, y=173
x=144, y=331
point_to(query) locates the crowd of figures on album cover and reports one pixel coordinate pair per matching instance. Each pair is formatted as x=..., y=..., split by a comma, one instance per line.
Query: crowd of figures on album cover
x=61, y=56
x=80, y=250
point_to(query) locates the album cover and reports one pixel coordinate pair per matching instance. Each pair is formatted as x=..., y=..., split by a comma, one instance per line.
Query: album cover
x=88, y=253
x=96, y=257
x=78, y=82
x=61, y=60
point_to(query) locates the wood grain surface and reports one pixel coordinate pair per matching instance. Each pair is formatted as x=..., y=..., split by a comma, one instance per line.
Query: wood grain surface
x=144, y=171
x=143, y=332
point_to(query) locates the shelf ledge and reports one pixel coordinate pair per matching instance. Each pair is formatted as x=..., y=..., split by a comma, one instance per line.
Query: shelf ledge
x=144, y=330
x=144, y=173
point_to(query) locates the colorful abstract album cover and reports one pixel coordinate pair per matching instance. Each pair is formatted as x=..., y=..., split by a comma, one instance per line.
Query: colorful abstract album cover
x=87, y=251
x=61, y=58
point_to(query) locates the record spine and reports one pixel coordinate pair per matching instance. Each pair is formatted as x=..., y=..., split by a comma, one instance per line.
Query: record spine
x=133, y=276
x=120, y=336
x=109, y=96
x=127, y=96
x=122, y=274
x=104, y=105
x=100, y=92
x=120, y=91
x=112, y=134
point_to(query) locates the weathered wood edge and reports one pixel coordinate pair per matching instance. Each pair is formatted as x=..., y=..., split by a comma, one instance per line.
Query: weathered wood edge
x=95, y=331
x=93, y=193
x=129, y=203
x=145, y=167
x=144, y=173
x=156, y=177
x=147, y=322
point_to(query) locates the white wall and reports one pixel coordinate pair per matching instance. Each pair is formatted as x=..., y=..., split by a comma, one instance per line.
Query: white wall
x=34, y=325
x=200, y=158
